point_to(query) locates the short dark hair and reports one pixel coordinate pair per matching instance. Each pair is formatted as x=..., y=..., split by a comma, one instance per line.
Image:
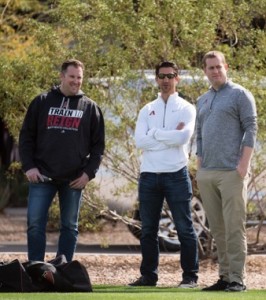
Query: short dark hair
x=166, y=64
x=71, y=62
x=213, y=54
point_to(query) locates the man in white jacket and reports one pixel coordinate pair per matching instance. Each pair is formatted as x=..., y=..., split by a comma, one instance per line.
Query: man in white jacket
x=163, y=130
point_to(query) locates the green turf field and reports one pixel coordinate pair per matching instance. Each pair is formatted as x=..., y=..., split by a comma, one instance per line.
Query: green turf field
x=142, y=293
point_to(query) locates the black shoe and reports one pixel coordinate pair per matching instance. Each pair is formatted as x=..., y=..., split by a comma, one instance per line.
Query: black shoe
x=188, y=283
x=143, y=281
x=220, y=285
x=235, y=287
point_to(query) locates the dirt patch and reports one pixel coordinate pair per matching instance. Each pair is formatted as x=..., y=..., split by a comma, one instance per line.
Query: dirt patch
x=122, y=269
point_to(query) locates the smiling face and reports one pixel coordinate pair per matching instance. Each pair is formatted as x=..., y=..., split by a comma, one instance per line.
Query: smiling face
x=216, y=71
x=71, y=80
x=167, y=85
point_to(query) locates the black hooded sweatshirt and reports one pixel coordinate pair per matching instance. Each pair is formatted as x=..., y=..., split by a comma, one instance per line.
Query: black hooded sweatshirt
x=62, y=136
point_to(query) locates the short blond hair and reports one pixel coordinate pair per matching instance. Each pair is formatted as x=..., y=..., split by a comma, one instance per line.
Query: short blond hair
x=213, y=54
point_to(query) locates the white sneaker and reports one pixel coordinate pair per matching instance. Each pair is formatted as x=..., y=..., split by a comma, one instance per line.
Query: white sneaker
x=188, y=284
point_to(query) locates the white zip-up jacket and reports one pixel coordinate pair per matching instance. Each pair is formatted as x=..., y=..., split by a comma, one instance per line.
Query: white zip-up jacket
x=164, y=148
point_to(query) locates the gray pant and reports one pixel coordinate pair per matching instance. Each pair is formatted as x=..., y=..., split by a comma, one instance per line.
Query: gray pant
x=224, y=196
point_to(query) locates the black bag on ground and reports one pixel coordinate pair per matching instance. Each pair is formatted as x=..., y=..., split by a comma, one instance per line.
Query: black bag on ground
x=57, y=275
x=14, y=278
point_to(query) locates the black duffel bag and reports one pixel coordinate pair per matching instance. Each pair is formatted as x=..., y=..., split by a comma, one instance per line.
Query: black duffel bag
x=56, y=275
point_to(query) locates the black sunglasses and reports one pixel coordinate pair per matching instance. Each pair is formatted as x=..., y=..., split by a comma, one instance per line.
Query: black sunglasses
x=169, y=76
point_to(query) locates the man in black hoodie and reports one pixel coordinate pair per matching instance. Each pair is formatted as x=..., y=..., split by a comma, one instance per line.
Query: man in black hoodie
x=61, y=145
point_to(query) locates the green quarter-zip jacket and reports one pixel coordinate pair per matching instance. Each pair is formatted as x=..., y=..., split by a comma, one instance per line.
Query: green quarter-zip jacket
x=226, y=122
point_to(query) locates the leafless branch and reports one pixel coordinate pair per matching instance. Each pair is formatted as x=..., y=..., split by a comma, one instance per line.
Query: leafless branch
x=3, y=12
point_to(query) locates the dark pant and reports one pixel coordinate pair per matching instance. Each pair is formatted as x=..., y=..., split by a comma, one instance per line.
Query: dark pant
x=176, y=189
x=40, y=199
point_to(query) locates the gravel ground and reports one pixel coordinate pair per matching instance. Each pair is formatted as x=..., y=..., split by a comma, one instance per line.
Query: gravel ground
x=122, y=269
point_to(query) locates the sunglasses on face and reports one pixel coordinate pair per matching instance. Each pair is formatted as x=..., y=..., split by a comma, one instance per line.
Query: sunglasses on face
x=169, y=76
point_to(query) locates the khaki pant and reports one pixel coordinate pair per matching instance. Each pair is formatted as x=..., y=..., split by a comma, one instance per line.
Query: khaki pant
x=224, y=196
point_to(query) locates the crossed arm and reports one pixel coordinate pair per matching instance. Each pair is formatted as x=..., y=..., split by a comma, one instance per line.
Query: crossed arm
x=156, y=139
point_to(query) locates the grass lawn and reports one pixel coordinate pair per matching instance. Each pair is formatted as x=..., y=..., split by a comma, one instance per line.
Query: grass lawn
x=143, y=293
